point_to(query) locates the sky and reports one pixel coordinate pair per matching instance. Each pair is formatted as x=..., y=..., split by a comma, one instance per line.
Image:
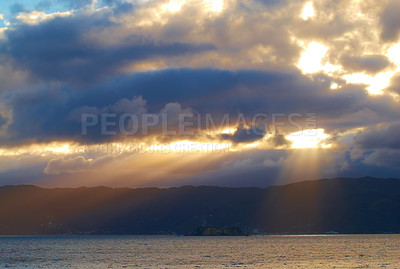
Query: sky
x=198, y=92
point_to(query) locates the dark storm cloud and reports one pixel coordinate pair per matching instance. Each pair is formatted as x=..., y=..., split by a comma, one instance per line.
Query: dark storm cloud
x=394, y=84
x=59, y=50
x=273, y=3
x=243, y=134
x=279, y=140
x=44, y=114
x=382, y=137
x=2, y=120
x=390, y=21
x=251, y=134
x=370, y=63
x=383, y=157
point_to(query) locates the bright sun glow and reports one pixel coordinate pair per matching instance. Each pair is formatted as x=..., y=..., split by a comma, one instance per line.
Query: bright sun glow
x=37, y=149
x=62, y=149
x=173, y=5
x=214, y=5
x=228, y=131
x=310, y=61
x=376, y=84
x=308, y=11
x=252, y=145
x=394, y=54
x=308, y=139
x=334, y=86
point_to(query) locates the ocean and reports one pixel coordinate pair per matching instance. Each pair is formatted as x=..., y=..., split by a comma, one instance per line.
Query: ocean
x=283, y=251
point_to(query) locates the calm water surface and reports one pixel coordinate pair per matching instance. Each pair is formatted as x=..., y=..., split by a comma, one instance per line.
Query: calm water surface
x=333, y=251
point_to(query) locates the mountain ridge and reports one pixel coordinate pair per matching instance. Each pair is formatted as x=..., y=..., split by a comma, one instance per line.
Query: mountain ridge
x=344, y=205
x=195, y=186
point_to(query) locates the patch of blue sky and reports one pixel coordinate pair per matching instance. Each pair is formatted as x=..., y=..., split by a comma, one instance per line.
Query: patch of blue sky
x=10, y=9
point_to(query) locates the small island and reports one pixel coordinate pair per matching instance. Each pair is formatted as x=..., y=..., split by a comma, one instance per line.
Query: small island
x=218, y=231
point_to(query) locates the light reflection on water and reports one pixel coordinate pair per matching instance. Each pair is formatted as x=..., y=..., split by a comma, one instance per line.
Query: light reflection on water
x=339, y=251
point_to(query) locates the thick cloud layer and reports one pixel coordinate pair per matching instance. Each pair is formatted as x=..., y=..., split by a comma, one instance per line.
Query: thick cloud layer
x=390, y=21
x=385, y=136
x=370, y=63
x=334, y=66
x=47, y=114
x=58, y=50
x=2, y=120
